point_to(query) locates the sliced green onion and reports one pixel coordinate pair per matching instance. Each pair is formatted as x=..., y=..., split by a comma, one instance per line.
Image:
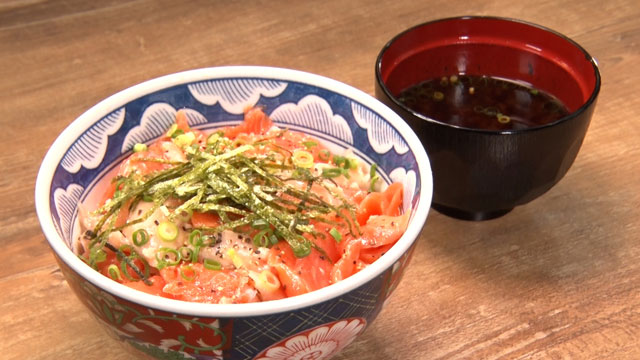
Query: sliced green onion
x=186, y=253
x=302, y=248
x=351, y=164
x=211, y=264
x=98, y=255
x=167, y=231
x=125, y=271
x=339, y=160
x=172, y=130
x=261, y=239
x=139, y=147
x=373, y=177
x=195, y=238
x=185, y=276
x=330, y=173
x=345, y=162
x=335, y=234
x=140, y=237
x=119, y=185
x=167, y=257
x=114, y=272
x=503, y=119
x=373, y=170
x=128, y=261
x=309, y=144
x=302, y=158
x=195, y=254
x=372, y=183
x=177, y=133
x=123, y=251
x=324, y=155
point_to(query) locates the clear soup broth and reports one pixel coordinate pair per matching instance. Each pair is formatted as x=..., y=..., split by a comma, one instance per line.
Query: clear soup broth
x=483, y=102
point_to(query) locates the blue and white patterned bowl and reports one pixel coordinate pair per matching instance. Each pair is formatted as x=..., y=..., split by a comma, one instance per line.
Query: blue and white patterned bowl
x=316, y=325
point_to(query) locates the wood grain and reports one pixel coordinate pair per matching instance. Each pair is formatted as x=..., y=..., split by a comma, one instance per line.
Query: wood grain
x=558, y=278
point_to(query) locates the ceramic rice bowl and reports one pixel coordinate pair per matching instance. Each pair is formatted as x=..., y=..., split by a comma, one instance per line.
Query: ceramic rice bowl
x=316, y=325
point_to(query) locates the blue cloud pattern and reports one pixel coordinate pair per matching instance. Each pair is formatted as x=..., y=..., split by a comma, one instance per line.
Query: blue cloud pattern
x=235, y=95
x=89, y=150
x=66, y=201
x=381, y=135
x=314, y=112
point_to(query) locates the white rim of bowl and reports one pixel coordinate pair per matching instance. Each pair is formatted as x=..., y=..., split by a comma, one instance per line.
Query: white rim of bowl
x=106, y=106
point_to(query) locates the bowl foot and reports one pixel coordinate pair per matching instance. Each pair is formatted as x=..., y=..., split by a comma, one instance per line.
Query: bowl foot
x=469, y=215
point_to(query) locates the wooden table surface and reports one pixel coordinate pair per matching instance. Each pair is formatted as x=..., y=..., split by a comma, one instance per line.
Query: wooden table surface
x=558, y=278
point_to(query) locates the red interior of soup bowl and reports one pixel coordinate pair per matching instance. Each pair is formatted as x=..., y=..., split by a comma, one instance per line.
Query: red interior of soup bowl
x=493, y=47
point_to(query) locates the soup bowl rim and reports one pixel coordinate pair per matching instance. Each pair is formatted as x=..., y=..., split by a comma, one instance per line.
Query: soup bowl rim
x=387, y=93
